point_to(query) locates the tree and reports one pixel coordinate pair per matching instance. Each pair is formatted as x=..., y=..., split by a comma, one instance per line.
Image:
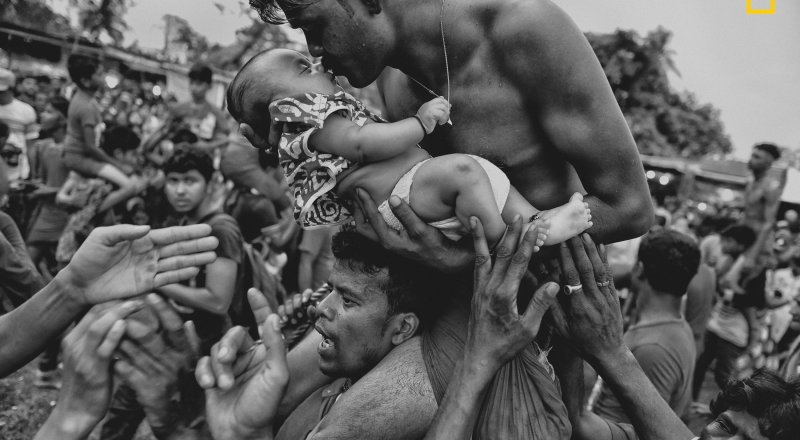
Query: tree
x=664, y=122
x=103, y=17
x=34, y=14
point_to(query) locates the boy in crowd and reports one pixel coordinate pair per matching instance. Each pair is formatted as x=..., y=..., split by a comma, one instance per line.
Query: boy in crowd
x=203, y=119
x=82, y=152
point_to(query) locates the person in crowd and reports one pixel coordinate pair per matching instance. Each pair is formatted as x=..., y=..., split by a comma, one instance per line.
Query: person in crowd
x=204, y=299
x=21, y=120
x=660, y=338
x=19, y=279
x=198, y=115
x=323, y=125
x=729, y=331
x=82, y=152
x=27, y=89
x=700, y=296
x=113, y=263
x=762, y=198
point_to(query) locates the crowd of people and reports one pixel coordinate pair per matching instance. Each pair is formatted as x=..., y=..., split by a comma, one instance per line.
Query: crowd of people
x=271, y=271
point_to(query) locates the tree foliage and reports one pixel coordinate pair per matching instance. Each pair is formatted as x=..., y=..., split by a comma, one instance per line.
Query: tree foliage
x=100, y=18
x=664, y=122
x=34, y=14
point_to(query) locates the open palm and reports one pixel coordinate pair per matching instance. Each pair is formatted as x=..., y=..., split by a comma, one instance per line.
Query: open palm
x=125, y=260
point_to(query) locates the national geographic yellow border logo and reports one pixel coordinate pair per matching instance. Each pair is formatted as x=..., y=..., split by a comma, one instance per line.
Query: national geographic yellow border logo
x=753, y=11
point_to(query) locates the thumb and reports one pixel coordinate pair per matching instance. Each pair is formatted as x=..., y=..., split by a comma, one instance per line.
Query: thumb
x=538, y=306
x=272, y=339
x=112, y=235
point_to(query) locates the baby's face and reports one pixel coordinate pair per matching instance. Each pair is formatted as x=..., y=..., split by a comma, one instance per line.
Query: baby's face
x=296, y=74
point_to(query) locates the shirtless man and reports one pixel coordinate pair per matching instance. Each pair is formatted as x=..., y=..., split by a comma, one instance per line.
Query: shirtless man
x=762, y=196
x=527, y=93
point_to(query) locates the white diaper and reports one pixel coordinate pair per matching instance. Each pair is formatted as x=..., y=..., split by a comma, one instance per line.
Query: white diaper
x=451, y=227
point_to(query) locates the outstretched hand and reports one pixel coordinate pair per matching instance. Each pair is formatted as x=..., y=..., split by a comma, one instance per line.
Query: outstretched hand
x=125, y=260
x=245, y=380
x=590, y=318
x=417, y=241
x=497, y=332
x=86, y=393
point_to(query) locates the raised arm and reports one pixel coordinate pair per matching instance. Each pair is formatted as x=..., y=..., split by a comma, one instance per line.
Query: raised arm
x=380, y=141
x=550, y=61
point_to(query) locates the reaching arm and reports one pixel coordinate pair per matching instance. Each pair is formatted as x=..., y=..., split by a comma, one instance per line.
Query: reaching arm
x=367, y=143
x=550, y=61
x=216, y=297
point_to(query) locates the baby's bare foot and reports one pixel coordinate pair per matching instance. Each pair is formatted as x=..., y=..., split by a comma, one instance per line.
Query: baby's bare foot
x=568, y=220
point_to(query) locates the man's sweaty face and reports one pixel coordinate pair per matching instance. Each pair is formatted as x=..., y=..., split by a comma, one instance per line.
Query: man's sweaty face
x=733, y=425
x=351, y=321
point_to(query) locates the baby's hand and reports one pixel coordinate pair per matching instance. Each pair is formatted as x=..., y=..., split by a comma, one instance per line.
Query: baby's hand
x=433, y=112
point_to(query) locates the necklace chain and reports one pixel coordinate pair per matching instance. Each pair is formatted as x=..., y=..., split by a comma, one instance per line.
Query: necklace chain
x=446, y=63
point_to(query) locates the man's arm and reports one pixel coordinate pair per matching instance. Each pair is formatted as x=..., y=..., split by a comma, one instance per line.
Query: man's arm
x=552, y=64
x=216, y=297
x=773, y=201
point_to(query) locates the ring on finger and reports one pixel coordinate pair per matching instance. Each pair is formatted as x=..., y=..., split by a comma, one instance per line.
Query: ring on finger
x=570, y=289
x=604, y=283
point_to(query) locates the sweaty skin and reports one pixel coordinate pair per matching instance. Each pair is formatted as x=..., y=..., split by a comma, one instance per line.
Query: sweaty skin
x=527, y=93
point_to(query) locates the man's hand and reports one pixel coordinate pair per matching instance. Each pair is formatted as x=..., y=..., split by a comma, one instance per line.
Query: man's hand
x=497, y=332
x=125, y=260
x=245, y=381
x=156, y=360
x=589, y=318
x=86, y=392
x=418, y=241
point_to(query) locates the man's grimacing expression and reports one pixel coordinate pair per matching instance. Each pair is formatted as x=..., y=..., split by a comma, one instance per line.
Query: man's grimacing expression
x=355, y=324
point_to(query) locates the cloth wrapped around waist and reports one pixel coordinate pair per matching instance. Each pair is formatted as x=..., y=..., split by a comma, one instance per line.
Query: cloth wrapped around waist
x=523, y=401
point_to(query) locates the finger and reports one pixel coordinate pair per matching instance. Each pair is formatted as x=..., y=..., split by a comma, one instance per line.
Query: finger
x=174, y=276
x=519, y=262
x=99, y=328
x=276, y=350
x=569, y=272
x=111, y=341
x=370, y=210
x=538, y=306
x=223, y=371
x=191, y=337
x=260, y=307
x=483, y=262
x=111, y=235
x=582, y=263
x=506, y=248
x=166, y=236
x=204, y=374
x=362, y=226
x=183, y=261
x=170, y=321
x=130, y=373
x=188, y=247
x=599, y=269
x=413, y=225
x=139, y=357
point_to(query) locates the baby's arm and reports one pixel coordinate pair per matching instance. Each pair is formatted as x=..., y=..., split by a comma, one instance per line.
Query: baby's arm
x=376, y=142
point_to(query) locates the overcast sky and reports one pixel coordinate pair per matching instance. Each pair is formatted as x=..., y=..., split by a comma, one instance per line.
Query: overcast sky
x=748, y=66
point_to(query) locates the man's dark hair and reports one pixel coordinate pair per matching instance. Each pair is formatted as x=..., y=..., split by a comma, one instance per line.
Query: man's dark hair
x=410, y=287
x=201, y=73
x=774, y=402
x=185, y=160
x=271, y=11
x=742, y=234
x=770, y=149
x=81, y=67
x=120, y=138
x=670, y=260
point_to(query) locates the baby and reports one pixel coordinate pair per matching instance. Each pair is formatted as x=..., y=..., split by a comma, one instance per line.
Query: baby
x=330, y=144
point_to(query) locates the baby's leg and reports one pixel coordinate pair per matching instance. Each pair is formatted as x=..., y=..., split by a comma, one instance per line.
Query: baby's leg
x=567, y=221
x=456, y=185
